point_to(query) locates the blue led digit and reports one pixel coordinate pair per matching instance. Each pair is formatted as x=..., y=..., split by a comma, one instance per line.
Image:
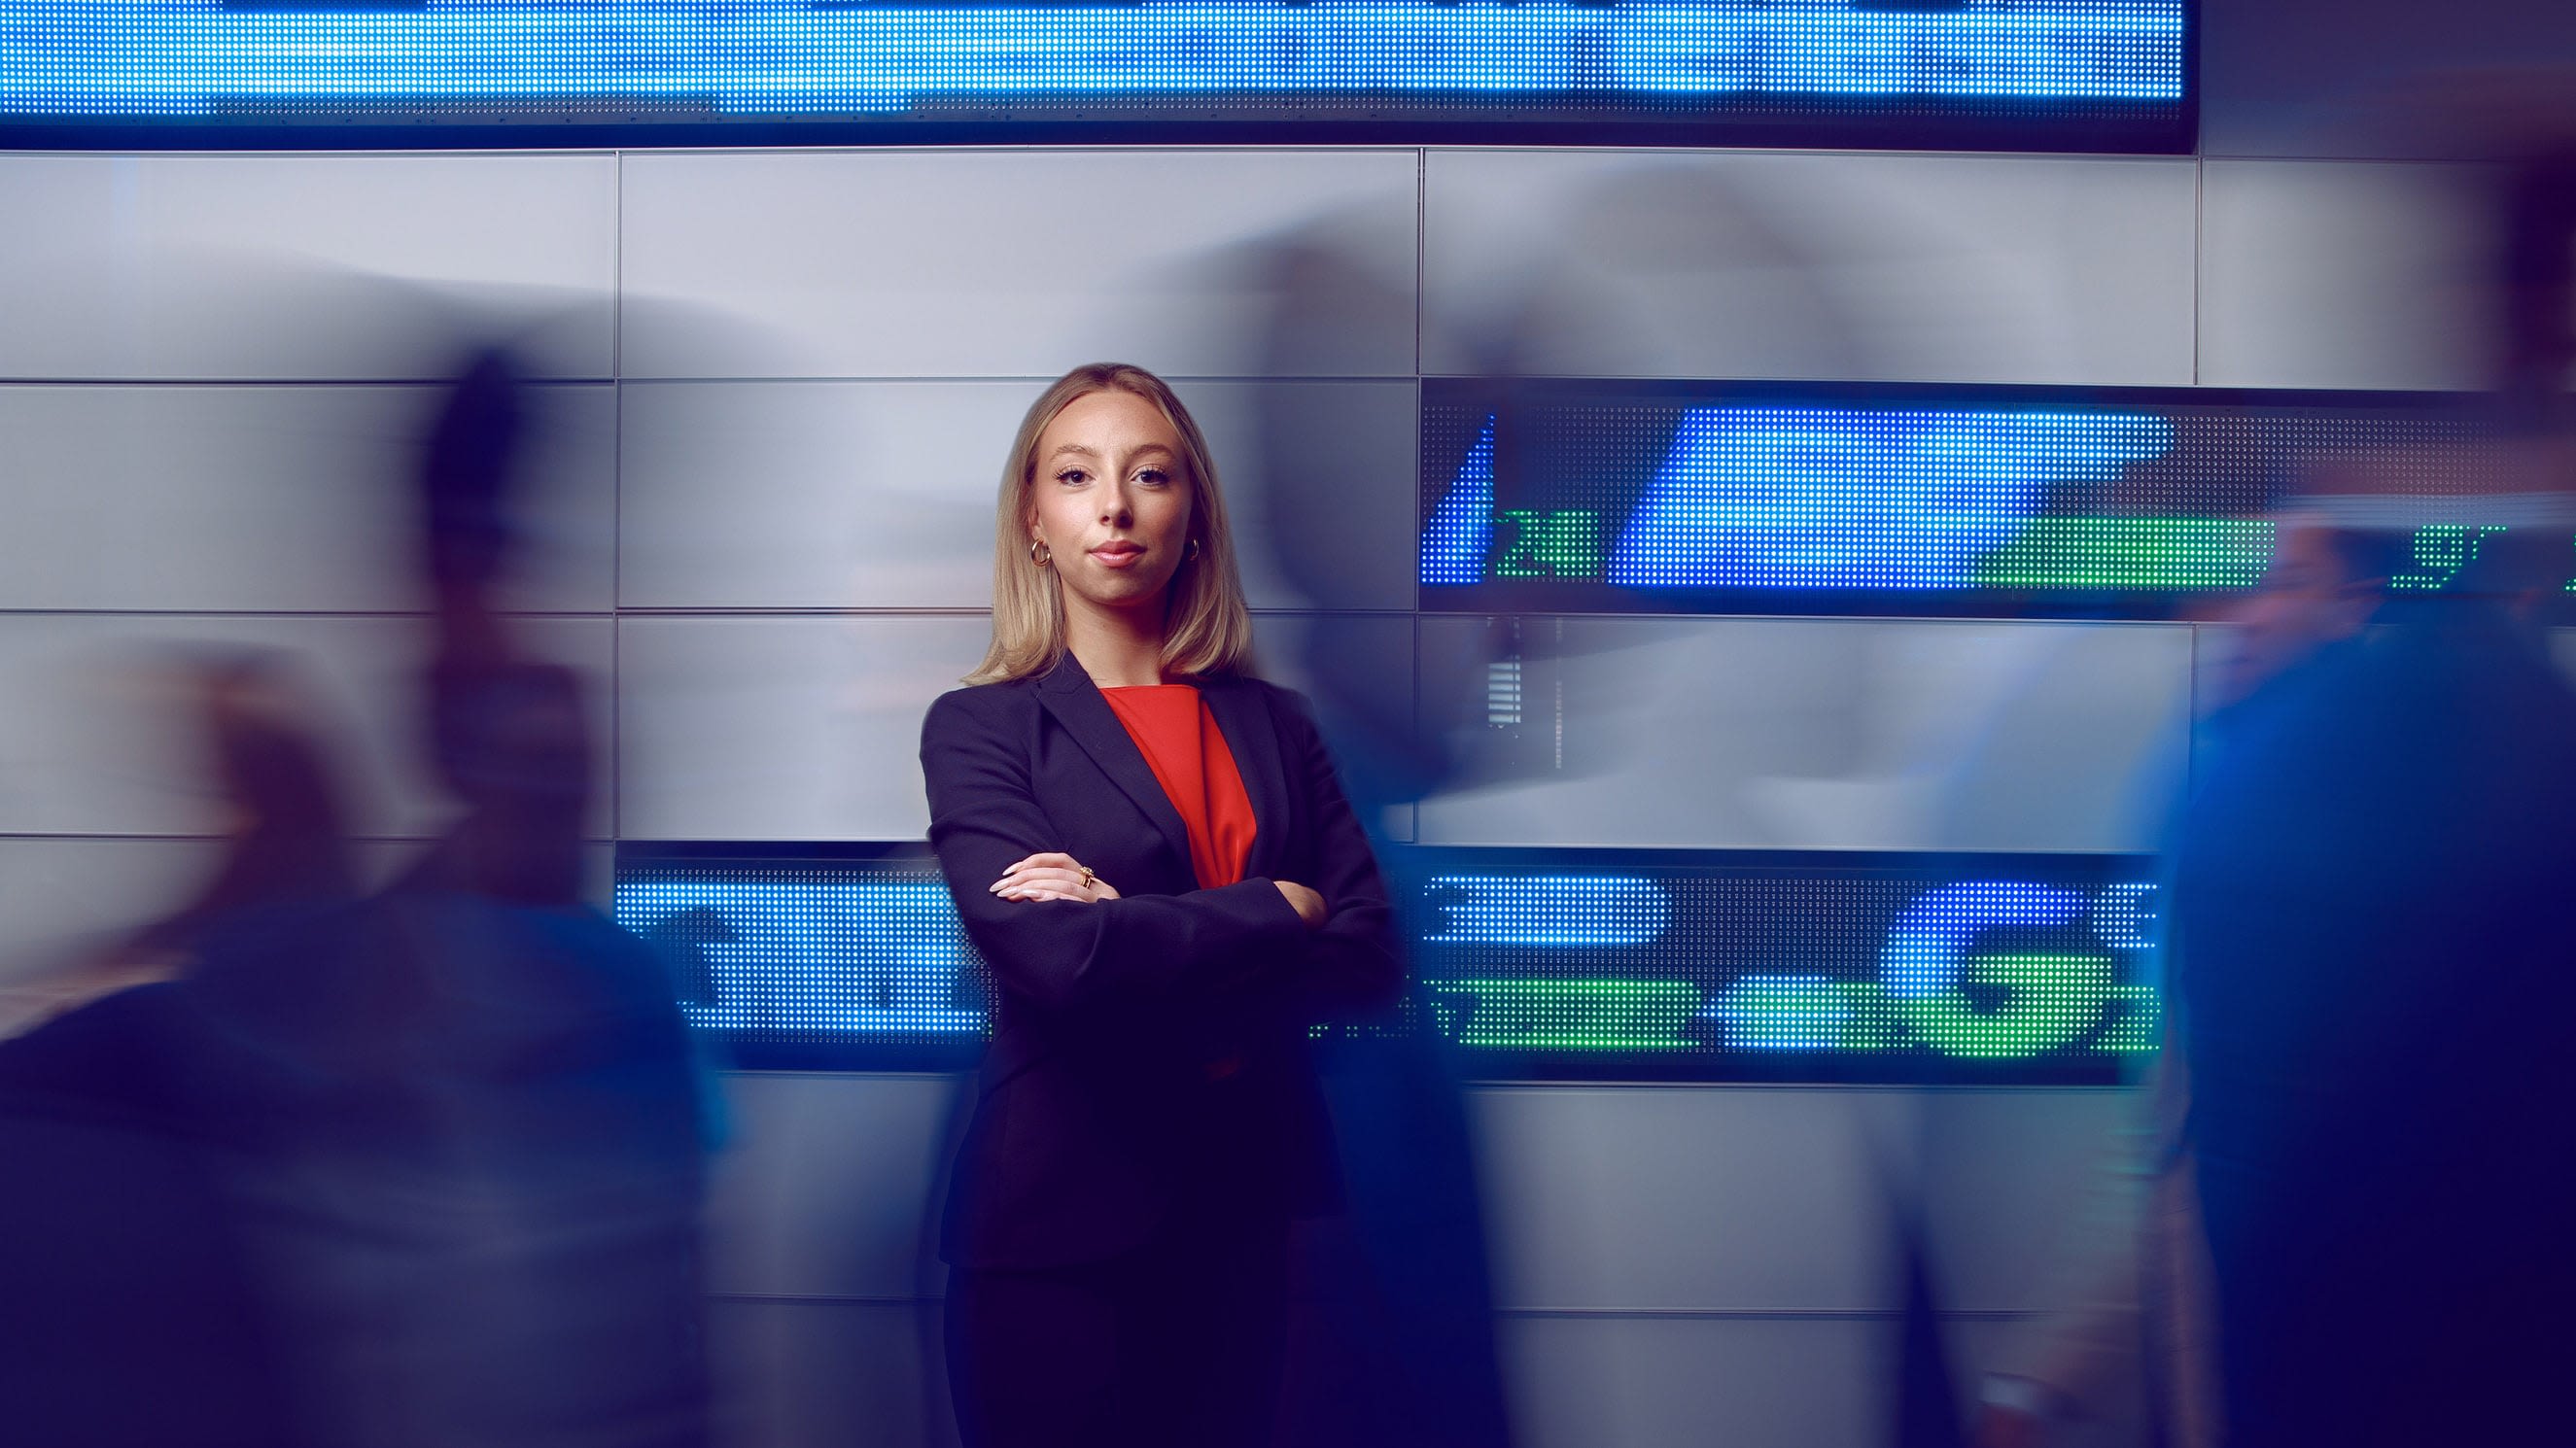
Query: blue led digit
x=1461, y=529
x=1927, y=949
x=1547, y=912
x=1825, y=497
x=2125, y=917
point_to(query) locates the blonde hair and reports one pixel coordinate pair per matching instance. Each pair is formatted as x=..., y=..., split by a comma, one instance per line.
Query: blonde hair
x=1207, y=629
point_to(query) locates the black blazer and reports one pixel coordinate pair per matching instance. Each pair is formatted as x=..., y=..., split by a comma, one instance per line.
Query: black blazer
x=1149, y=1053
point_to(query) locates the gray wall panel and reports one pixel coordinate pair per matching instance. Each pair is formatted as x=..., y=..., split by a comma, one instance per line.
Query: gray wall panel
x=827, y=1185
x=310, y=266
x=2021, y=1189
x=1648, y=1197
x=1645, y=1383
x=781, y=729
x=2331, y=274
x=812, y=494
x=274, y=498
x=880, y=494
x=1009, y=263
x=98, y=743
x=1912, y=268
x=1813, y=734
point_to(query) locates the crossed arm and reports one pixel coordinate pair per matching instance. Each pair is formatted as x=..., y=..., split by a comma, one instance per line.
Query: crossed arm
x=1061, y=936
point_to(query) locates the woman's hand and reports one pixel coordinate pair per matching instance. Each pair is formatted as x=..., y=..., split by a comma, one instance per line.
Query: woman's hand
x=1308, y=905
x=1053, y=877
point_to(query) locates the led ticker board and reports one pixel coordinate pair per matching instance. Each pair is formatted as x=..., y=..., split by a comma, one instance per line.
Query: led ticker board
x=2063, y=74
x=1663, y=965
x=1585, y=497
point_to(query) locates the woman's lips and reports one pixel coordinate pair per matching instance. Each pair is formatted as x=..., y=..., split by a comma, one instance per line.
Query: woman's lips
x=1117, y=555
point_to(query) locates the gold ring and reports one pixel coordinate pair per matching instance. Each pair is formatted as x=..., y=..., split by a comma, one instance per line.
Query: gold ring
x=1086, y=879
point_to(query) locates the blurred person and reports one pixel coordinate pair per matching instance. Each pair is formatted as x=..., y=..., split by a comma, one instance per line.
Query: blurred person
x=2321, y=589
x=463, y=1112
x=2371, y=951
x=1391, y=1329
x=533, y=1272
x=422, y=1168
x=2351, y=1206
x=136, y=1313
x=1128, y=823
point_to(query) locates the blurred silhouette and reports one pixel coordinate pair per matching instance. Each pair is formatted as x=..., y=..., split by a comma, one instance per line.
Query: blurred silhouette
x=2373, y=950
x=2372, y=953
x=422, y=1168
x=545, y=1067
x=1392, y=1326
x=136, y=1311
x=2352, y=1222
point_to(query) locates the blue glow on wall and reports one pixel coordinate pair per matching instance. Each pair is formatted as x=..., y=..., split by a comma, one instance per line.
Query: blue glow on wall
x=1821, y=497
x=130, y=59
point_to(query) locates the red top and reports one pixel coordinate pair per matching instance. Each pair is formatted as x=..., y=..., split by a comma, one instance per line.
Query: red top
x=1182, y=745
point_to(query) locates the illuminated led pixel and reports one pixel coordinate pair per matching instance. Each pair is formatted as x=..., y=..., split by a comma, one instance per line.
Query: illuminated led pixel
x=1679, y=968
x=608, y=58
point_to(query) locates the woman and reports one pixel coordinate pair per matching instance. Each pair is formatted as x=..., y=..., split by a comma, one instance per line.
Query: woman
x=1150, y=851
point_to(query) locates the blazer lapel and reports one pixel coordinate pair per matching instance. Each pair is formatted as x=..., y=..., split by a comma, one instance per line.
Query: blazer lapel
x=1070, y=696
x=1252, y=737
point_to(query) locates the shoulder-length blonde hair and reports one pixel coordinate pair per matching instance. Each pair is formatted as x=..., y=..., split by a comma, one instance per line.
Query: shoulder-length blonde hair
x=1207, y=630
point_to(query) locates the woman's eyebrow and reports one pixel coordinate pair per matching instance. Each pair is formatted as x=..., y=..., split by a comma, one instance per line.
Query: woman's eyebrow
x=1151, y=449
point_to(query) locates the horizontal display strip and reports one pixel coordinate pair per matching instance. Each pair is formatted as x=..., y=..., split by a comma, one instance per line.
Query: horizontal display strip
x=1715, y=498
x=1708, y=965
x=640, y=58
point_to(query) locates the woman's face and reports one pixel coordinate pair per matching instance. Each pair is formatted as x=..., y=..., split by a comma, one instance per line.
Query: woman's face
x=1111, y=501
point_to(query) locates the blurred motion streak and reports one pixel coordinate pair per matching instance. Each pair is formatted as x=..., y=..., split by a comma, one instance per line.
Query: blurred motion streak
x=423, y=1167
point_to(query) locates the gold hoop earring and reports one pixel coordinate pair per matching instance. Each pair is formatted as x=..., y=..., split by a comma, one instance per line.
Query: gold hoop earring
x=1041, y=559
x=1193, y=555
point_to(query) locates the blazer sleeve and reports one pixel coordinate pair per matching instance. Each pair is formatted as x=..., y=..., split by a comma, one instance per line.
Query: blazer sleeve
x=984, y=817
x=1352, y=965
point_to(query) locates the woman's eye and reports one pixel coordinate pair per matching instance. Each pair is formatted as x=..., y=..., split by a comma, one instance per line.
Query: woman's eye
x=1073, y=477
x=1153, y=477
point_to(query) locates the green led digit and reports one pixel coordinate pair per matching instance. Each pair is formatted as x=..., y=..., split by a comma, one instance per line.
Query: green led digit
x=1549, y=545
x=2161, y=553
x=2051, y=1000
x=1567, y=1015
x=2138, y=1025
x=2440, y=551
